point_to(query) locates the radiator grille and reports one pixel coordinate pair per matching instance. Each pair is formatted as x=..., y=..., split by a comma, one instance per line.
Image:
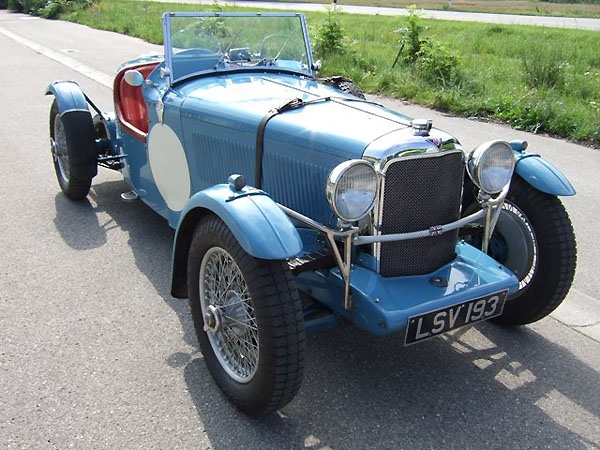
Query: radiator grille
x=418, y=194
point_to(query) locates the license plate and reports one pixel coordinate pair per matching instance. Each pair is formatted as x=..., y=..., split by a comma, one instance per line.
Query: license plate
x=434, y=323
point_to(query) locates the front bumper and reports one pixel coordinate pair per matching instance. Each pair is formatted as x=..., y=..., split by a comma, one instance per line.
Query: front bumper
x=383, y=306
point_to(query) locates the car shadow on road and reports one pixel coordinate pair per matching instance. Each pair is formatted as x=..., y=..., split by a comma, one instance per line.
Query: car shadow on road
x=78, y=224
x=485, y=387
x=84, y=225
x=481, y=388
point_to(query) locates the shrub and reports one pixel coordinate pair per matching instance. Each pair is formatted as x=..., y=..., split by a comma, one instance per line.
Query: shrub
x=432, y=61
x=330, y=37
x=14, y=5
x=410, y=36
x=437, y=65
x=50, y=9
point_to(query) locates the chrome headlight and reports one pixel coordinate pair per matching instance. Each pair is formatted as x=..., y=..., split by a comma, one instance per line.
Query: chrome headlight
x=491, y=166
x=351, y=189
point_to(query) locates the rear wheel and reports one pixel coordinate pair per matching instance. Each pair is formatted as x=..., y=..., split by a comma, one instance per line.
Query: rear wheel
x=248, y=319
x=72, y=147
x=534, y=238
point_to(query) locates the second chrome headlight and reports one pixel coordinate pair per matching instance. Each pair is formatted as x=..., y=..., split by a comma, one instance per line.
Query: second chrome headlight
x=351, y=189
x=491, y=166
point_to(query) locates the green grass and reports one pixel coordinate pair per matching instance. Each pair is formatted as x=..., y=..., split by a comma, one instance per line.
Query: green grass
x=543, y=80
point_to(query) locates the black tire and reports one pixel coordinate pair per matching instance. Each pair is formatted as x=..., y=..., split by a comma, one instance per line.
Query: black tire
x=349, y=87
x=345, y=85
x=256, y=357
x=534, y=238
x=73, y=151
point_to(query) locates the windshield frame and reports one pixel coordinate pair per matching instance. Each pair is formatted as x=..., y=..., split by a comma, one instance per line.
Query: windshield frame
x=307, y=71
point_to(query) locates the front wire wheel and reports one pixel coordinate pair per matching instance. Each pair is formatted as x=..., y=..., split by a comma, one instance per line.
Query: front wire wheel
x=229, y=319
x=71, y=144
x=248, y=319
x=534, y=238
x=59, y=148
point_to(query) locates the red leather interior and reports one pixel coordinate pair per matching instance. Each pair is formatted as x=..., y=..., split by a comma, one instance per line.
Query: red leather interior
x=129, y=102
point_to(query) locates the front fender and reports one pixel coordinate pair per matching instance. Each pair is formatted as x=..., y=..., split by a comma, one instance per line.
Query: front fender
x=69, y=96
x=78, y=125
x=259, y=225
x=542, y=175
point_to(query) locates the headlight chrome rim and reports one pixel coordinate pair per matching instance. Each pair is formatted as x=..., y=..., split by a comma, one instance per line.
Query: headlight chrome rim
x=337, y=185
x=484, y=159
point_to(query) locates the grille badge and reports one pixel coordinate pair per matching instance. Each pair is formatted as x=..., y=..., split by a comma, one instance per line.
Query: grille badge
x=436, y=230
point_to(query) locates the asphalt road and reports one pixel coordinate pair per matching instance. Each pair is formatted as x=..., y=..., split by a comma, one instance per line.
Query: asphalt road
x=95, y=353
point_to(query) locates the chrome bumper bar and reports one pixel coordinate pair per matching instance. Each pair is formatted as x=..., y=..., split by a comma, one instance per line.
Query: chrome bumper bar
x=490, y=211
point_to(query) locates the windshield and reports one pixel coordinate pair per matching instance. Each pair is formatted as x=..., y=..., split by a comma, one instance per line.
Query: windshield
x=202, y=42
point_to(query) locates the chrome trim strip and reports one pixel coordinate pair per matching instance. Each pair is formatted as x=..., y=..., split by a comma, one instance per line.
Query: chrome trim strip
x=433, y=231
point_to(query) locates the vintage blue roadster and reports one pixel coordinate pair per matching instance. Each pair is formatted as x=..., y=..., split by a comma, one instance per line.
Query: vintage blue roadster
x=298, y=205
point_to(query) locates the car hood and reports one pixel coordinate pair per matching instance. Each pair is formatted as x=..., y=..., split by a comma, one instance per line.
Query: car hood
x=327, y=116
x=221, y=117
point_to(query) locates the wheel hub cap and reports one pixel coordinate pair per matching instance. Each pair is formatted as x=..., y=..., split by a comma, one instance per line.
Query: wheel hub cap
x=212, y=319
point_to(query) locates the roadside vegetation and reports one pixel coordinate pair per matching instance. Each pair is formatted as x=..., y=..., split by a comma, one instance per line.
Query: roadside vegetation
x=49, y=9
x=537, y=79
x=543, y=80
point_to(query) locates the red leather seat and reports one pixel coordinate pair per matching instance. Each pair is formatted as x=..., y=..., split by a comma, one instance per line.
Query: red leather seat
x=129, y=102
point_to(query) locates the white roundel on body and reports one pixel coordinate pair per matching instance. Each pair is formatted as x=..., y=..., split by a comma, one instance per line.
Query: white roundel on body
x=169, y=166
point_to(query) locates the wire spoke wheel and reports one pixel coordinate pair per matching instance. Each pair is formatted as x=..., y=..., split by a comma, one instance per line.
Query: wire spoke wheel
x=533, y=238
x=248, y=319
x=59, y=149
x=230, y=323
x=73, y=148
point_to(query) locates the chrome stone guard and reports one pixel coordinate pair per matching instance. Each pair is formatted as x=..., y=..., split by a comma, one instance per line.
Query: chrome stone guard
x=490, y=211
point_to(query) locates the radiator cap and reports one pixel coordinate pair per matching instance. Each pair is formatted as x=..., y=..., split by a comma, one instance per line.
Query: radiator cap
x=421, y=127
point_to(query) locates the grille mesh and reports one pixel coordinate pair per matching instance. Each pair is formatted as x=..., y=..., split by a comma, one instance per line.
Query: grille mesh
x=420, y=193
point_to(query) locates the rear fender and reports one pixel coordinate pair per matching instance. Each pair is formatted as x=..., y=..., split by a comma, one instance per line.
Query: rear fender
x=259, y=225
x=542, y=175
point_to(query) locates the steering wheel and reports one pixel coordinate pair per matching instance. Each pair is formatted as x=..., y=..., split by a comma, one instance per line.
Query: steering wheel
x=271, y=37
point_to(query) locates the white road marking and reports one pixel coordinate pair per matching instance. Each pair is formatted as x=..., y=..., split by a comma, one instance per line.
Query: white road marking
x=96, y=75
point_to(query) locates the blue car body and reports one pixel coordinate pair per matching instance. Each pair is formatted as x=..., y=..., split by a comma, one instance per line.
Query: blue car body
x=203, y=122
